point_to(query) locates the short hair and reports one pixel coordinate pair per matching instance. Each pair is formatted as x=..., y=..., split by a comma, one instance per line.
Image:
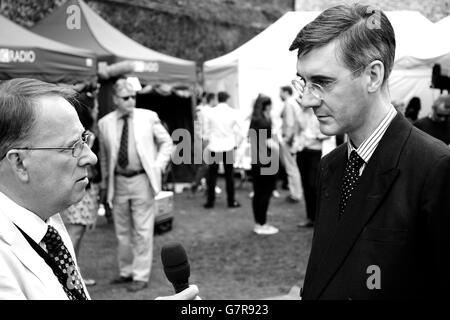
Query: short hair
x=363, y=35
x=222, y=96
x=18, y=108
x=287, y=89
x=122, y=84
x=210, y=97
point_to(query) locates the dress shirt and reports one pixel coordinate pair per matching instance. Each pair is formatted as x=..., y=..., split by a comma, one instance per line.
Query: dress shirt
x=223, y=129
x=134, y=163
x=368, y=146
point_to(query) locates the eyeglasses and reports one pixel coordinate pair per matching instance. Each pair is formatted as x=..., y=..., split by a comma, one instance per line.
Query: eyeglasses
x=77, y=147
x=126, y=98
x=316, y=89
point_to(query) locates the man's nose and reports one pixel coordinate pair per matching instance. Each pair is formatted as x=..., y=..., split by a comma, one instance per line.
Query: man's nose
x=87, y=157
x=310, y=101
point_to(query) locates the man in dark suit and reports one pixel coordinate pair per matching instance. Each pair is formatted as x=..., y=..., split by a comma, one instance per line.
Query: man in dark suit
x=383, y=212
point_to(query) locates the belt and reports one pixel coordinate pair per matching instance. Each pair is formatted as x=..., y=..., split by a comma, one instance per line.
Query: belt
x=130, y=174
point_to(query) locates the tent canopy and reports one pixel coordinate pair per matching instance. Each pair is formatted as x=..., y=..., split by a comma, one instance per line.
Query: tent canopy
x=264, y=64
x=25, y=54
x=77, y=24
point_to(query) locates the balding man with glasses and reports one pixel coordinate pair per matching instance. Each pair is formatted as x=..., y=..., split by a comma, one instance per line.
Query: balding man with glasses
x=44, y=159
x=382, y=216
x=43, y=169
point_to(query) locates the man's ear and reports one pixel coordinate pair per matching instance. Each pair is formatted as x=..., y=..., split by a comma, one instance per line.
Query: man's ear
x=18, y=165
x=376, y=75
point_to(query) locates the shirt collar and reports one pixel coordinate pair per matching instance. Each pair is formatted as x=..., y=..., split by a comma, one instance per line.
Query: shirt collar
x=26, y=220
x=368, y=146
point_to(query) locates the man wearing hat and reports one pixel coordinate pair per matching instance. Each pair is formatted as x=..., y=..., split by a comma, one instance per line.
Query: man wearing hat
x=134, y=150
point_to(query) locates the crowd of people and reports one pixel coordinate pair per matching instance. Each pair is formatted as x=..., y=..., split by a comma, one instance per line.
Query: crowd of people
x=373, y=179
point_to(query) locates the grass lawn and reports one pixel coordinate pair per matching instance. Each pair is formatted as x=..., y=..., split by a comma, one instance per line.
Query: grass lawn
x=228, y=261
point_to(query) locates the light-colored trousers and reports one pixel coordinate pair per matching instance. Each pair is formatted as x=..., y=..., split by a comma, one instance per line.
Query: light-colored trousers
x=134, y=218
x=292, y=172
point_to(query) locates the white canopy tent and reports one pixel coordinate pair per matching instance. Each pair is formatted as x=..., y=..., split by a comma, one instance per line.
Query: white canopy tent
x=264, y=64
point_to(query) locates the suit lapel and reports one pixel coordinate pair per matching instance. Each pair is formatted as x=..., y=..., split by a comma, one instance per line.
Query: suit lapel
x=326, y=221
x=113, y=136
x=35, y=264
x=373, y=186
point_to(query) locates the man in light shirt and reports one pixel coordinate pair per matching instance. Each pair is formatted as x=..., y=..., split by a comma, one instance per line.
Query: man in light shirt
x=44, y=156
x=381, y=227
x=309, y=151
x=290, y=116
x=224, y=134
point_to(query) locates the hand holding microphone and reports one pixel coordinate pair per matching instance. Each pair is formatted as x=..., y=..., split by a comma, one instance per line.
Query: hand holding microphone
x=177, y=270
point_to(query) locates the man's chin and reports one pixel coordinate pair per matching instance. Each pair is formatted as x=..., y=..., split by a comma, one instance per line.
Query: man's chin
x=328, y=130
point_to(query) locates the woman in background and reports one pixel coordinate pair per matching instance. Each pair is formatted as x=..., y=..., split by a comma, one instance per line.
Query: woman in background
x=263, y=182
x=83, y=215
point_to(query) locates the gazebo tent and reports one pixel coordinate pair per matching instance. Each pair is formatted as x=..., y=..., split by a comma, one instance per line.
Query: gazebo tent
x=77, y=24
x=25, y=54
x=264, y=63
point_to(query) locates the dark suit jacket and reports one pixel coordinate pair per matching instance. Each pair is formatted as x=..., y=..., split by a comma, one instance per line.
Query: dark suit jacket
x=397, y=219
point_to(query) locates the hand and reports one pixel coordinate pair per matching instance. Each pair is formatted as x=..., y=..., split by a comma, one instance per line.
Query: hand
x=190, y=293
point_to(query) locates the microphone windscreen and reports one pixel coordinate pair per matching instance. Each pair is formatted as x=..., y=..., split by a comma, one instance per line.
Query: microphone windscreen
x=175, y=262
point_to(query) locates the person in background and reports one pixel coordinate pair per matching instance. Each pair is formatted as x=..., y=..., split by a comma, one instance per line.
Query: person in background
x=290, y=126
x=263, y=183
x=83, y=215
x=412, y=109
x=201, y=111
x=223, y=133
x=437, y=124
x=134, y=151
x=309, y=151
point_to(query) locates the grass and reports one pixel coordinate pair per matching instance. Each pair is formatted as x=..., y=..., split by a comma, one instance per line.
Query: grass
x=228, y=261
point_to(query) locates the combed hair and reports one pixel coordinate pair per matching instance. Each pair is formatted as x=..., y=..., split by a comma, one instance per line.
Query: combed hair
x=364, y=34
x=18, y=108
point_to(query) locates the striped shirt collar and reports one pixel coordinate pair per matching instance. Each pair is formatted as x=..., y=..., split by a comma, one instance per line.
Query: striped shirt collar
x=368, y=146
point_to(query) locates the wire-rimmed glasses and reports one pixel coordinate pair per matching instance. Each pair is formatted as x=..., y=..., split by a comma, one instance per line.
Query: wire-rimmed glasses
x=77, y=147
x=315, y=89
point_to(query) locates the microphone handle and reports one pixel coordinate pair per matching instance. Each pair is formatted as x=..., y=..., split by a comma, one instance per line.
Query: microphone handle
x=180, y=286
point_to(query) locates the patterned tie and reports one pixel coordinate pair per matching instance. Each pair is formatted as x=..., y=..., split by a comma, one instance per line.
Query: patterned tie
x=123, y=150
x=59, y=253
x=351, y=176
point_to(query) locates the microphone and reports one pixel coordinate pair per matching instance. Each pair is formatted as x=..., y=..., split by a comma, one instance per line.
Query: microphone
x=176, y=265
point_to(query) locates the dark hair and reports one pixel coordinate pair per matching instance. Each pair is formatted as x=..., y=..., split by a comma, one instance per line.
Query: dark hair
x=363, y=35
x=287, y=89
x=84, y=106
x=222, y=96
x=260, y=105
x=18, y=108
x=413, y=108
x=210, y=97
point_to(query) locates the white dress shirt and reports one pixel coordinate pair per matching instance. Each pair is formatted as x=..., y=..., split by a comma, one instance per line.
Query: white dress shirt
x=368, y=146
x=223, y=129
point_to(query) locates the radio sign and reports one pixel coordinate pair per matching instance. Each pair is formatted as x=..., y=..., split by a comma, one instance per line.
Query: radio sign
x=15, y=56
